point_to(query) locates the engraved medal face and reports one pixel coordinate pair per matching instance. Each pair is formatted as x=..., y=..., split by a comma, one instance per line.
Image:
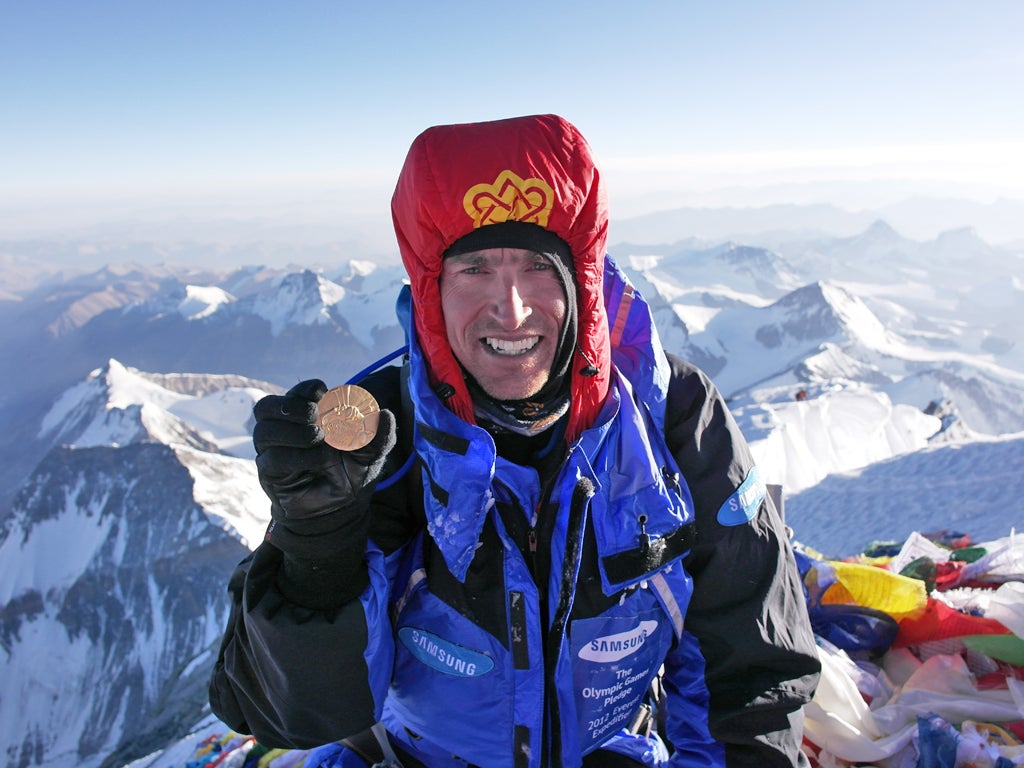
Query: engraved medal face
x=348, y=416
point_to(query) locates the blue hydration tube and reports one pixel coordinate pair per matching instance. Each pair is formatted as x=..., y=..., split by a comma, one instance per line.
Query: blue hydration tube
x=379, y=364
x=388, y=481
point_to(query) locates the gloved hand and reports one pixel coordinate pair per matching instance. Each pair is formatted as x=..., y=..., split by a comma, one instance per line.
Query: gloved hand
x=320, y=496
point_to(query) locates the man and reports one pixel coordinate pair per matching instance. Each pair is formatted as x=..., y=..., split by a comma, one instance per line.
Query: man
x=581, y=568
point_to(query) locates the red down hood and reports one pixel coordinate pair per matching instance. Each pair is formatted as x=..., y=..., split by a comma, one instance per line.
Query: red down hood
x=536, y=169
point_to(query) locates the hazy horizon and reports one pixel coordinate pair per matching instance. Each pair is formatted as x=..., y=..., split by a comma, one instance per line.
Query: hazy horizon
x=304, y=112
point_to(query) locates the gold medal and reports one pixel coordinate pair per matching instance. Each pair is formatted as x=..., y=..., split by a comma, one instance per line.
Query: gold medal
x=348, y=416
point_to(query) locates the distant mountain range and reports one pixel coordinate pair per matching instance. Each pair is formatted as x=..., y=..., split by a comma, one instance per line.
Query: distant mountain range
x=919, y=218
x=127, y=490
x=336, y=234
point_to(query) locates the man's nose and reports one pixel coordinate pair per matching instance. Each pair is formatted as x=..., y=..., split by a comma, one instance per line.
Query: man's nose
x=509, y=306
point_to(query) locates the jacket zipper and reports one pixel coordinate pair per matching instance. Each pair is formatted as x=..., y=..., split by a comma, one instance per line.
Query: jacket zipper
x=533, y=545
x=574, y=543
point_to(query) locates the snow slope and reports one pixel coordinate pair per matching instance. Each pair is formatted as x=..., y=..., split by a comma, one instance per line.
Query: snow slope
x=976, y=488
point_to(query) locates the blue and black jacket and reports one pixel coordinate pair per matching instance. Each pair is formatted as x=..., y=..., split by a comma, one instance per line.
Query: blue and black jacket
x=518, y=613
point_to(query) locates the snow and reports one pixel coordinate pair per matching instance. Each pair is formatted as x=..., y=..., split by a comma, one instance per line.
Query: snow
x=46, y=680
x=121, y=405
x=361, y=267
x=183, y=750
x=799, y=443
x=854, y=314
x=976, y=488
x=202, y=301
x=121, y=392
x=299, y=299
x=229, y=491
x=223, y=417
x=118, y=405
x=72, y=537
x=695, y=317
x=63, y=409
x=127, y=388
x=372, y=308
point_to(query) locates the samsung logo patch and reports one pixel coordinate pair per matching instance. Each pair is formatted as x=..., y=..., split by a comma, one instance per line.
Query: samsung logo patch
x=443, y=655
x=741, y=507
x=618, y=646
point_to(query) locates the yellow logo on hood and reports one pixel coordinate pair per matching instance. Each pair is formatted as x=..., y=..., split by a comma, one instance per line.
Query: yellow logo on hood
x=509, y=198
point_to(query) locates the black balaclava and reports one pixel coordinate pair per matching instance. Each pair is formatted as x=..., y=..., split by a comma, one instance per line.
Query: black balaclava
x=535, y=414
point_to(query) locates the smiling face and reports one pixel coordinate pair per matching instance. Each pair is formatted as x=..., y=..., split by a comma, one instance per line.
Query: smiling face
x=504, y=309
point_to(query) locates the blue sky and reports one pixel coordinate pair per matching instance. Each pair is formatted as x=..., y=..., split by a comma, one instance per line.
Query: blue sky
x=231, y=107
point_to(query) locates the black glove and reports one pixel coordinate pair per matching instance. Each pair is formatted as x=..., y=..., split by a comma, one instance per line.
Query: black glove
x=320, y=496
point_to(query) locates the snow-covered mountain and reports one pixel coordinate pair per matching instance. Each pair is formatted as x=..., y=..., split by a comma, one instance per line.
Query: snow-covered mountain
x=879, y=380
x=114, y=559
x=831, y=351
x=272, y=325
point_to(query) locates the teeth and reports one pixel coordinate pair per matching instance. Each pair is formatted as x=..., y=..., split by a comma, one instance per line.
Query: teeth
x=517, y=347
